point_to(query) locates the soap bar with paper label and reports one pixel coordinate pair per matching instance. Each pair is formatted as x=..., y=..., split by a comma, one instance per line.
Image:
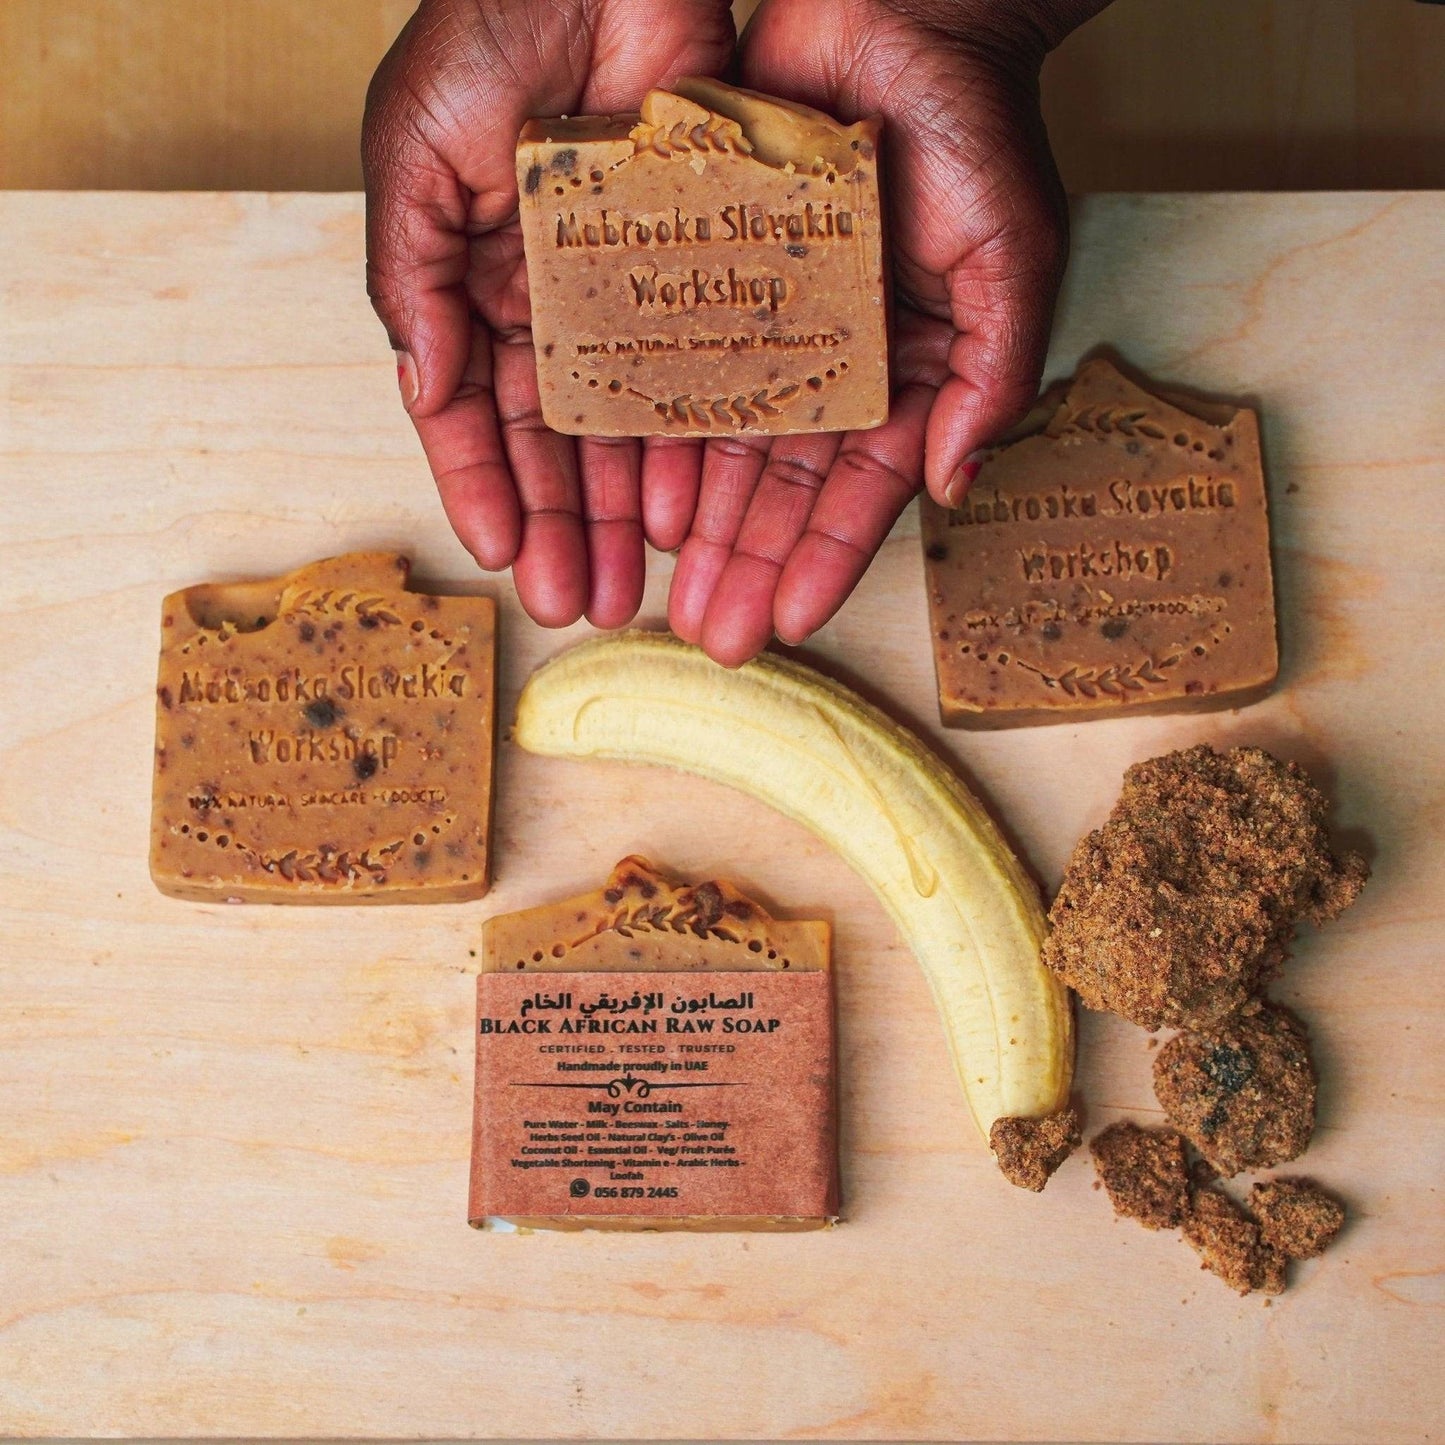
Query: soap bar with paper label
x=654, y=1056
x=711, y=266
x=324, y=737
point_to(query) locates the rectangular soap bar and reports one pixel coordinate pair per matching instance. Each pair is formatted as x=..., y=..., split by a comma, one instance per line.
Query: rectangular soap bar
x=654, y=1056
x=713, y=265
x=324, y=737
x=1114, y=559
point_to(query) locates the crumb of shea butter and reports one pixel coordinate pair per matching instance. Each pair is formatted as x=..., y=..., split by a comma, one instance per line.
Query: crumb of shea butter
x=1296, y=1216
x=1145, y=1173
x=1229, y=1244
x=1029, y=1150
x=1184, y=903
x=1242, y=1093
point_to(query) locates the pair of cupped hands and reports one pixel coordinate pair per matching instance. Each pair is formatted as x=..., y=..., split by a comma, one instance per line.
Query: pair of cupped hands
x=773, y=532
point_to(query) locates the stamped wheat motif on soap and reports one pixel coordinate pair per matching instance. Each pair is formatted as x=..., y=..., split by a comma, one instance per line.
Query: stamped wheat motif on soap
x=325, y=865
x=307, y=739
x=1117, y=561
x=640, y=901
x=737, y=412
x=730, y=413
x=1112, y=681
x=1130, y=423
x=1107, y=419
x=370, y=611
x=716, y=135
x=680, y=913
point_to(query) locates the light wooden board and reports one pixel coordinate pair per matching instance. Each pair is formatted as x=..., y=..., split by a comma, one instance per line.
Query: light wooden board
x=233, y=1157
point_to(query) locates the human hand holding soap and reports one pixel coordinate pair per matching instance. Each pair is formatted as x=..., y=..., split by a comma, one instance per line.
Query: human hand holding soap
x=446, y=274
x=978, y=235
x=775, y=530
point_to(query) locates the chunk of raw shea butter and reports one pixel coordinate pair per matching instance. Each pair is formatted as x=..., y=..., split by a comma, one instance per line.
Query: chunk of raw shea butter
x=654, y=1056
x=1116, y=559
x=711, y=266
x=324, y=737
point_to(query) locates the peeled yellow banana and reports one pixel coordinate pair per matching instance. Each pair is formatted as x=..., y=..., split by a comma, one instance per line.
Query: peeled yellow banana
x=818, y=753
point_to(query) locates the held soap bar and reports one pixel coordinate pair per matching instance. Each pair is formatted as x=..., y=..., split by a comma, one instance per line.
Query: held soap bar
x=324, y=737
x=1115, y=559
x=709, y=267
x=654, y=1056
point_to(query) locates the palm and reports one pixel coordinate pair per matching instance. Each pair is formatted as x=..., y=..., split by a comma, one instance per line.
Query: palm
x=446, y=272
x=783, y=533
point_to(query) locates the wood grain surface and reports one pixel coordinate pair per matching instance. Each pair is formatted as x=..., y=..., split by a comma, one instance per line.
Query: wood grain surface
x=233, y=1163
x=1151, y=95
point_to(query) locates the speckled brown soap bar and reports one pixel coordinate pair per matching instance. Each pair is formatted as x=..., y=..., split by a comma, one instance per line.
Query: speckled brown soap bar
x=710, y=266
x=1113, y=559
x=324, y=737
x=654, y=1056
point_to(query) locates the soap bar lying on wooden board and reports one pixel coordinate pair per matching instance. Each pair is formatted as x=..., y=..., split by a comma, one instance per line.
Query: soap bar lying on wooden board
x=324, y=737
x=712, y=265
x=1114, y=558
x=654, y=1056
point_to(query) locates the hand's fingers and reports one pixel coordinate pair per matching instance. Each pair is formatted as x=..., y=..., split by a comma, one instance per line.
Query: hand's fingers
x=731, y=467
x=1001, y=298
x=739, y=619
x=551, y=567
x=442, y=116
x=979, y=220
x=416, y=256
x=611, y=467
x=640, y=44
x=920, y=349
x=416, y=267
x=870, y=483
x=671, y=473
x=464, y=449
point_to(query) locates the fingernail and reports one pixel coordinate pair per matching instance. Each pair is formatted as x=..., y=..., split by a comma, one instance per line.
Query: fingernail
x=407, y=379
x=963, y=478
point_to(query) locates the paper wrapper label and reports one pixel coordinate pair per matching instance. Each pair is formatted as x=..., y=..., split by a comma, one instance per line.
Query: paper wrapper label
x=654, y=1096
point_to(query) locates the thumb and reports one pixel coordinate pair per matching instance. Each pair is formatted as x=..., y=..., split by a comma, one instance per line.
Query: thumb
x=979, y=221
x=416, y=248
x=1001, y=302
x=1012, y=242
x=642, y=44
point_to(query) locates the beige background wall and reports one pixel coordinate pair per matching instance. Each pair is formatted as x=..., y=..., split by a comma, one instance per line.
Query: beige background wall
x=1153, y=95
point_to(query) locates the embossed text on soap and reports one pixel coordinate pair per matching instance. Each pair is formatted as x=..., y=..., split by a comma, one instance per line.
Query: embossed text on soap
x=690, y=274
x=1114, y=556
